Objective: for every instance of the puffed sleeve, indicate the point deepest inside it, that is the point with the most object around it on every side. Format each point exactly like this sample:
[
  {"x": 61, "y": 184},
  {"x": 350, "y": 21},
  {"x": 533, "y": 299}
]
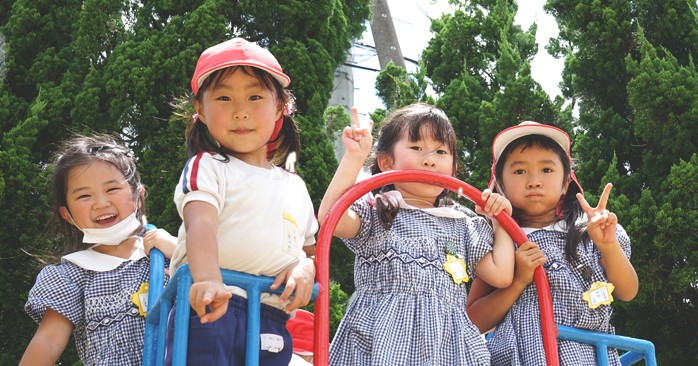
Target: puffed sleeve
[
  {"x": 624, "y": 240},
  {"x": 58, "y": 288},
  {"x": 479, "y": 238},
  {"x": 364, "y": 209}
]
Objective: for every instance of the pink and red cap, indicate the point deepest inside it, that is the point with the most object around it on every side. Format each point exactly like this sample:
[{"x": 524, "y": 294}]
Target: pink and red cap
[
  {"x": 236, "y": 52},
  {"x": 301, "y": 330},
  {"x": 507, "y": 136}
]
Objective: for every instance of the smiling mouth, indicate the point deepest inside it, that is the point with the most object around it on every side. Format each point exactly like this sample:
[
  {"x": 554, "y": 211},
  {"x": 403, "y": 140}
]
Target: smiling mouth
[{"x": 106, "y": 219}]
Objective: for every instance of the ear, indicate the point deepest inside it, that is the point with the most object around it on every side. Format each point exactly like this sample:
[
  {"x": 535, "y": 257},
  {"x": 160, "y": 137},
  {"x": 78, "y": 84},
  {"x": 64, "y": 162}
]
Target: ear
[
  {"x": 279, "y": 112},
  {"x": 65, "y": 214},
  {"x": 385, "y": 162},
  {"x": 141, "y": 196},
  {"x": 566, "y": 185},
  {"x": 199, "y": 111}
]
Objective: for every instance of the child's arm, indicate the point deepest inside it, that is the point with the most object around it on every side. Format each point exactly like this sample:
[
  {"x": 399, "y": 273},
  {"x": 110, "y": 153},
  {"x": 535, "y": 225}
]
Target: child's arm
[
  {"x": 201, "y": 223},
  {"x": 299, "y": 278},
  {"x": 161, "y": 240},
  {"x": 486, "y": 305},
  {"x": 357, "y": 146},
  {"x": 49, "y": 341},
  {"x": 602, "y": 231},
  {"x": 497, "y": 266}
]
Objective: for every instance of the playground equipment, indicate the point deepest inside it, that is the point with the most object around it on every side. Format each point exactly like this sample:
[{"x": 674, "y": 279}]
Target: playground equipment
[{"x": 178, "y": 287}]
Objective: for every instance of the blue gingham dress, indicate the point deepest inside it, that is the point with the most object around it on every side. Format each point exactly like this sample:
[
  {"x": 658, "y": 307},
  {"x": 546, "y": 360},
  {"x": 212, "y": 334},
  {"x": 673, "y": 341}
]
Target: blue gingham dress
[
  {"x": 406, "y": 309},
  {"x": 108, "y": 329},
  {"x": 517, "y": 340}
]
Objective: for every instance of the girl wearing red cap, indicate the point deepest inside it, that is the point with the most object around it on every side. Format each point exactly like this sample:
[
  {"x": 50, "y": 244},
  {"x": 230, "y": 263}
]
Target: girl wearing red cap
[
  {"x": 415, "y": 249},
  {"x": 583, "y": 249},
  {"x": 240, "y": 210}
]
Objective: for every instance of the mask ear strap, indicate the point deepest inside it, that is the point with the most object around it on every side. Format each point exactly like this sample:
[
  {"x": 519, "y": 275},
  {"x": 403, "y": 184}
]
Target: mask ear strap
[{"x": 67, "y": 212}]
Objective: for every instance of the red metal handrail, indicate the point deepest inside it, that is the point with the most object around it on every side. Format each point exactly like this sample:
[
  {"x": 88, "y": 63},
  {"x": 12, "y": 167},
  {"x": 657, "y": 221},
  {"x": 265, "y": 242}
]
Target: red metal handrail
[{"x": 322, "y": 261}]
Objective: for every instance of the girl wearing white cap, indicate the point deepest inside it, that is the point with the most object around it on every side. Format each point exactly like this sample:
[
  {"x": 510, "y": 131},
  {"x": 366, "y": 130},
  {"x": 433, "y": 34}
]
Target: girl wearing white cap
[
  {"x": 583, "y": 249},
  {"x": 415, "y": 250},
  {"x": 240, "y": 210}
]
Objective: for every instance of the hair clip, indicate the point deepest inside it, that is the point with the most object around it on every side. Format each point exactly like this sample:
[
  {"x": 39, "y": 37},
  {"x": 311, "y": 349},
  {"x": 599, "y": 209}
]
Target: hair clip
[{"x": 93, "y": 150}]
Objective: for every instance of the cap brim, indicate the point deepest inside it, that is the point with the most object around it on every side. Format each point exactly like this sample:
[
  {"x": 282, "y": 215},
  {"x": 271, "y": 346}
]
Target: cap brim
[{"x": 504, "y": 138}]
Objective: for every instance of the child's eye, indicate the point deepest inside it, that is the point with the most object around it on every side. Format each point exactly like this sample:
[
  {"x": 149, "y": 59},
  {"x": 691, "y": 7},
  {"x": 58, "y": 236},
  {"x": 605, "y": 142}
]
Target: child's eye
[
  {"x": 223, "y": 98},
  {"x": 442, "y": 152},
  {"x": 114, "y": 189},
  {"x": 416, "y": 148},
  {"x": 82, "y": 196},
  {"x": 519, "y": 171},
  {"x": 547, "y": 170},
  {"x": 256, "y": 97}
]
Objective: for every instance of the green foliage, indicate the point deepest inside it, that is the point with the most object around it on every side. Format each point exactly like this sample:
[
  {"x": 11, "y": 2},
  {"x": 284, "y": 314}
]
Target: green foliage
[
  {"x": 630, "y": 66},
  {"x": 117, "y": 66},
  {"x": 339, "y": 300}
]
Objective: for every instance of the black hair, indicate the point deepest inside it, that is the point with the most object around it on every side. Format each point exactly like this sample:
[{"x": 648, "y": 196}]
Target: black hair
[
  {"x": 83, "y": 150},
  {"x": 409, "y": 121},
  {"x": 288, "y": 140},
  {"x": 573, "y": 215}
]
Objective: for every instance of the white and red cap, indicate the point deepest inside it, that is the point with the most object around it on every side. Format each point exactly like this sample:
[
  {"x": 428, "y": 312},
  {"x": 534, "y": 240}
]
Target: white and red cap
[
  {"x": 507, "y": 136},
  {"x": 236, "y": 52}
]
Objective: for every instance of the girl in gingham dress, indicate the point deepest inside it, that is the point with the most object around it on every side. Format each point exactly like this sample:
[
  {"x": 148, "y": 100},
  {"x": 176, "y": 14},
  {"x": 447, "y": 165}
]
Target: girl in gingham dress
[
  {"x": 99, "y": 197},
  {"x": 581, "y": 248},
  {"x": 407, "y": 309}
]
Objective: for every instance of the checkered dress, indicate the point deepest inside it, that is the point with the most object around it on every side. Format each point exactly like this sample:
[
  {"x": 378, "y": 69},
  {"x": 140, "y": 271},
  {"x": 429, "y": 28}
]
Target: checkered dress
[
  {"x": 407, "y": 310},
  {"x": 517, "y": 340},
  {"x": 108, "y": 329}
]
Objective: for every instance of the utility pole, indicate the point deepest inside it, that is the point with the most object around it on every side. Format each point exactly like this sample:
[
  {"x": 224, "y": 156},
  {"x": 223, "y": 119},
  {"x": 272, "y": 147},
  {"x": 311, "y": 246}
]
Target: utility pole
[{"x": 384, "y": 35}]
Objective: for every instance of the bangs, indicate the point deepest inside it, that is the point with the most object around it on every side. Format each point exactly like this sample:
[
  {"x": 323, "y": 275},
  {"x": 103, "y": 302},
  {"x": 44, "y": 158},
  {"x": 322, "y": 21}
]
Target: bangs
[{"x": 436, "y": 123}]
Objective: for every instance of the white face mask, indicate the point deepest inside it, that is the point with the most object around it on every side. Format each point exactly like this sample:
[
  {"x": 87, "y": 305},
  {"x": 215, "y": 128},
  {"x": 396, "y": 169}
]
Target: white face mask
[{"x": 112, "y": 235}]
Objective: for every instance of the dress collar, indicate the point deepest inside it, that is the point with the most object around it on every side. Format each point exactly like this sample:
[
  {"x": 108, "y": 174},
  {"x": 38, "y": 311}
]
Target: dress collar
[
  {"x": 443, "y": 211},
  {"x": 559, "y": 226},
  {"x": 95, "y": 261}
]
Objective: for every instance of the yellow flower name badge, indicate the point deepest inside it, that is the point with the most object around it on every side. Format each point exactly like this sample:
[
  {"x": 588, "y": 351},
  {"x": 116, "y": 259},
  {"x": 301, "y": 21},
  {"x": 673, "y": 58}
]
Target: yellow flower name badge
[
  {"x": 599, "y": 294},
  {"x": 456, "y": 268},
  {"x": 140, "y": 298}
]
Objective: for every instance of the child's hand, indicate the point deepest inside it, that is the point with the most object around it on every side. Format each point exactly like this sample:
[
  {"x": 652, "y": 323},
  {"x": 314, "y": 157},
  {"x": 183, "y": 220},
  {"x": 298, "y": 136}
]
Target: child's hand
[
  {"x": 357, "y": 139},
  {"x": 299, "y": 278},
  {"x": 494, "y": 204},
  {"x": 209, "y": 293},
  {"x": 528, "y": 256},
  {"x": 161, "y": 240},
  {"x": 601, "y": 222}
]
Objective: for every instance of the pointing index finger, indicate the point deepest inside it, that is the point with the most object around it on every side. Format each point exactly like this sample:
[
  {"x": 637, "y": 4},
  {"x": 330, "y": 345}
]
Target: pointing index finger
[{"x": 355, "y": 118}]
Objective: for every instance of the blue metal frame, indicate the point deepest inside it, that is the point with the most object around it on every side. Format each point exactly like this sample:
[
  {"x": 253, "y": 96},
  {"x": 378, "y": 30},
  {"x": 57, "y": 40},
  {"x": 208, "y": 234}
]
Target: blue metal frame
[
  {"x": 178, "y": 288},
  {"x": 638, "y": 349}
]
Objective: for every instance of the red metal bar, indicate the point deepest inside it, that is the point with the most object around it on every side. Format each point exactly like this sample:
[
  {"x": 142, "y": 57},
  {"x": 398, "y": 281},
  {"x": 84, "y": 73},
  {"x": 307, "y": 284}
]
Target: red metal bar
[{"x": 322, "y": 261}]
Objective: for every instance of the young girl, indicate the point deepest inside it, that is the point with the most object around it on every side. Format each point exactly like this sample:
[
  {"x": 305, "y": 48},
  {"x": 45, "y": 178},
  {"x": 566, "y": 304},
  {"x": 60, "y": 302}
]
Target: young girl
[
  {"x": 584, "y": 251},
  {"x": 414, "y": 251},
  {"x": 99, "y": 196},
  {"x": 240, "y": 210}
]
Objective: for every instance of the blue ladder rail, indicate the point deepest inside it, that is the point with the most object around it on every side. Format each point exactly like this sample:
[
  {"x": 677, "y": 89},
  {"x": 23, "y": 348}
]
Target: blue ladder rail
[
  {"x": 638, "y": 349},
  {"x": 178, "y": 288}
]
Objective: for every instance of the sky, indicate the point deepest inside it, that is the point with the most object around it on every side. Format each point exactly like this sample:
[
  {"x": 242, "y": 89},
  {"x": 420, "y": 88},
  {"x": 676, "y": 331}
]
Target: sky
[{"x": 411, "y": 21}]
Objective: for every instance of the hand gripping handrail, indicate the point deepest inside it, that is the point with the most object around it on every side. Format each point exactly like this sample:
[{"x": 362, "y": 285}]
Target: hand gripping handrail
[{"x": 322, "y": 316}]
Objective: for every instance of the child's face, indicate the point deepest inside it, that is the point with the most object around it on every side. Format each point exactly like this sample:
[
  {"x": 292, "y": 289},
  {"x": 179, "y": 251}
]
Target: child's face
[
  {"x": 425, "y": 154},
  {"x": 533, "y": 180},
  {"x": 98, "y": 196},
  {"x": 240, "y": 114}
]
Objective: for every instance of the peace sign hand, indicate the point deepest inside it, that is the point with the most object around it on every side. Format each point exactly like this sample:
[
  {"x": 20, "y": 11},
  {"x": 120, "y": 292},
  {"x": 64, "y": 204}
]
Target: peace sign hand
[{"x": 601, "y": 222}]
